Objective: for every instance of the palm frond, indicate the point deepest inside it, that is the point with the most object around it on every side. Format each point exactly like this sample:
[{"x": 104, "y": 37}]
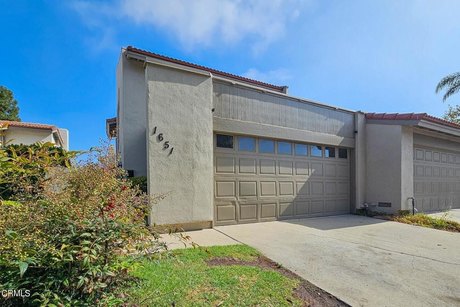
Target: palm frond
[
  {"x": 453, "y": 88},
  {"x": 451, "y": 82}
]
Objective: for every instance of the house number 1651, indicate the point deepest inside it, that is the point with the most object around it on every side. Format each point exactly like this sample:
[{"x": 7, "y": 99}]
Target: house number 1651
[{"x": 160, "y": 138}]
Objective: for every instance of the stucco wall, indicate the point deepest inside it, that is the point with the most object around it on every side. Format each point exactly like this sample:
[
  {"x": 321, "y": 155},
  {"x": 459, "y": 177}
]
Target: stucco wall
[
  {"x": 28, "y": 136},
  {"x": 383, "y": 165},
  {"x": 179, "y": 106},
  {"x": 407, "y": 167},
  {"x": 359, "y": 160},
  {"x": 132, "y": 116}
]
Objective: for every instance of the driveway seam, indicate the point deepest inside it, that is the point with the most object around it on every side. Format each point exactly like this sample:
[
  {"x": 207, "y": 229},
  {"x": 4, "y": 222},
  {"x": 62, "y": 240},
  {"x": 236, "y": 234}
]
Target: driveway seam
[{"x": 230, "y": 237}]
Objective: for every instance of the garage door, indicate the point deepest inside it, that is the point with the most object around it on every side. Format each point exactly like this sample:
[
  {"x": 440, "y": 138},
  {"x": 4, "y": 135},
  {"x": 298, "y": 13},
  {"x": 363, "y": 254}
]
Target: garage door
[
  {"x": 436, "y": 179},
  {"x": 257, "y": 179}
]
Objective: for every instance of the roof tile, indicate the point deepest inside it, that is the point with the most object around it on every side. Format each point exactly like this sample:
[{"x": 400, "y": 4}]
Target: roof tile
[
  {"x": 411, "y": 116},
  {"x": 27, "y": 125},
  {"x": 211, "y": 70}
]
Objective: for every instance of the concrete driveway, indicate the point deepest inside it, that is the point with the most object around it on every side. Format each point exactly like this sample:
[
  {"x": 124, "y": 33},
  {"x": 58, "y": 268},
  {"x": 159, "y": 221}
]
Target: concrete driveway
[
  {"x": 363, "y": 261},
  {"x": 453, "y": 214}
]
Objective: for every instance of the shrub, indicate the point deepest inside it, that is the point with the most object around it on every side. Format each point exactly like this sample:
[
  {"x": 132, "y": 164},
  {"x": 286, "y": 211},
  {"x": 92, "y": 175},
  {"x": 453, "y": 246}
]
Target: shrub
[
  {"x": 23, "y": 168},
  {"x": 66, "y": 245},
  {"x": 140, "y": 181},
  {"x": 424, "y": 220}
]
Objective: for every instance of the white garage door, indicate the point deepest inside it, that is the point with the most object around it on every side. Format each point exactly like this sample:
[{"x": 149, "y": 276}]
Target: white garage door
[
  {"x": 259, "y": 179},
  {"x": 436, "y": 179}
]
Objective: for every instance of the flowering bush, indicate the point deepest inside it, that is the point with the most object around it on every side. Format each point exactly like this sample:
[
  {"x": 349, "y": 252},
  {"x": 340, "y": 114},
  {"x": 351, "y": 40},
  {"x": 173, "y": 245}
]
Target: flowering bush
[{"x": 65, "y": 246}]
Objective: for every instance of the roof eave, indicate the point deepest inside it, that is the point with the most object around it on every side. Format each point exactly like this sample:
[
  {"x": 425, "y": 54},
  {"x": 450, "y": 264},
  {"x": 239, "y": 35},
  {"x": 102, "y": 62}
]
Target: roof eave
[
  {"x": 148, "y": 57},
  {"x": 401, "y": 122},
  {"x": 439, "y": 127}
]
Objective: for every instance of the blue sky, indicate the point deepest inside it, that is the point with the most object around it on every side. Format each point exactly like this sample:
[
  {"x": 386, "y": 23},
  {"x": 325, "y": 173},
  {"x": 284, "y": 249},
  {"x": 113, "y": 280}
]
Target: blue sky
[{"x": 59, "y": 57}]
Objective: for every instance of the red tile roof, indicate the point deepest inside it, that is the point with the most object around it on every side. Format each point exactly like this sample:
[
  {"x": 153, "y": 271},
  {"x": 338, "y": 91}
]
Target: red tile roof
[
  {"x": 26, "y": 125},
  {"x": 211, "y": 70},
  {"x": 411, "y": 116}
]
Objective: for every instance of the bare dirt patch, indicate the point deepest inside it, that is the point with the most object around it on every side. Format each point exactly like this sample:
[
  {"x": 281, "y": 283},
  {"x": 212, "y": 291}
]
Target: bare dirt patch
[{"x": 310, "y": 294}]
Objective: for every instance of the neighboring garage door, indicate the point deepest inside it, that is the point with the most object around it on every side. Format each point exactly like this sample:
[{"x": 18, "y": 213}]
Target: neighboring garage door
[
  {"x": 436, "y": 179},
  {"x": 257, "y": 179}
]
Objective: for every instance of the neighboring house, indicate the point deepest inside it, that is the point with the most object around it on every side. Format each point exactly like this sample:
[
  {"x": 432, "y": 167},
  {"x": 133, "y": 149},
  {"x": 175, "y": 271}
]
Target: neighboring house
[
  {"x": 12, "y": 132},
  {"x": 229, "y": 150}
]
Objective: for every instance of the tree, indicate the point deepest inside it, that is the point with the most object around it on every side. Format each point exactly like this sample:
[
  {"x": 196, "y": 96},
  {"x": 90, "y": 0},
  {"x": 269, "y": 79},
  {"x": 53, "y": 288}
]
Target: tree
[
  {"x": 451, "y": 84},
  {"x": 9, "y": 109}
]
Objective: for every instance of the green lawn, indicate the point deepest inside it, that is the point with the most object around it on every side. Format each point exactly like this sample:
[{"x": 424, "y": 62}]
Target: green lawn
[{"x": 186, "y": 279}]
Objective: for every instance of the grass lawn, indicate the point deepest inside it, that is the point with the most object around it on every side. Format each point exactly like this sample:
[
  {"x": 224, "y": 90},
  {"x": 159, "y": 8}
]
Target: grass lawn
[
  {"x": 185, "y": 278},
  {"x": 233, "y": 275},
  {"x": 424, "y": 220}
]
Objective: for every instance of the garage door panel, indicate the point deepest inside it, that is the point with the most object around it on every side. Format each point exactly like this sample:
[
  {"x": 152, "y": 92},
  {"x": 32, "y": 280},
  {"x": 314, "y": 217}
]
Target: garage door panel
[
  {"x": 247, "y": 166},
  {"x": 267, "y": 188},
  {"x": 342, "y": 205},
  {"x": 428, "y": 171},
  {"x": 302, "y": 188},
  {"x": 226, "y": 213},
  {"x": 317, "y": 206},
  {"x": 286, "y": 188},
  {"x": 255, "y": 187},
  {"x": 317, "y": 188},
  {"x": 343, "y": 171},
  {"x": 302, "y": 208},
  {"x": 225, "y": 188},
  {"x": 428, "y": 155},
  {"x": 268, "y": 211},
  {"x": 343, "y": 188},
  {"x": 329, "y": 205},
  {"x": 330, "y": 188},
  {"x": 248, "y": 189},
  {"x": 330, "y": 170},
  {"x": 301, "y": 168},
  {"x": 316, "y": 169},
  {"x": 267, "y": 166},
  {"x": 436, "y": 179},
  {"x": 248, "y": 212},
  {"x": 286, "y": 209},
  {"x": 419, "y": 154},
  {"x": 285, "y": 167},
  {"x": 225, "y": 165}
]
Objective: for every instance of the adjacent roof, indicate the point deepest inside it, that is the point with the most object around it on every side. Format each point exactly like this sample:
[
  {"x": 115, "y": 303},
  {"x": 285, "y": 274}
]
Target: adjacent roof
[
  {"x": 10, "y": 123},
  {"x": 411, "y": 116},
  {"x": 281, "y": 89},
  {"x": 111, "y": 127}
]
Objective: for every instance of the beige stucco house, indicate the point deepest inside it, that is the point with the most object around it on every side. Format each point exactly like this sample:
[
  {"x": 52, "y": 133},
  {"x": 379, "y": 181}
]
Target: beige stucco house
[
  {"x": 12, "y": 132},
  {"x": 229, "y": 150}
]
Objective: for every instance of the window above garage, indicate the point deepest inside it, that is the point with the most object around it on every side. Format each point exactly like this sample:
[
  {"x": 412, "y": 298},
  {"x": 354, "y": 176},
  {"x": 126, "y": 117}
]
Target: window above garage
[
  {"x": 343, "y": 153},
  {"x": 329, "y": 152},
  {"x": 266, "y": 146},
  {"x": 246, "y": 143},
  {"x": 224, "y": 141},
  {"x": 284, "y": 148},
  {"x": 316, "y": 151}
]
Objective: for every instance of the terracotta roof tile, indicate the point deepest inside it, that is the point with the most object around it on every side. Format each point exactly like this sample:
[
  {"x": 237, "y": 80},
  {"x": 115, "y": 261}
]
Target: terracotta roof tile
[
  {"x": 27, "y": 125},
  {"x": 211, "y": 70},
  {"x": 411, "y": 116}
]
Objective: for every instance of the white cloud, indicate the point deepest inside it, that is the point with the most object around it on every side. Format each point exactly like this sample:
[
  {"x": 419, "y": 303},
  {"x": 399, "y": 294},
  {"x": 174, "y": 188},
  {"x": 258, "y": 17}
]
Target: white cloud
[
  {"x": 201, "y": 23},
  {"x": 272, "y": 76}
]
